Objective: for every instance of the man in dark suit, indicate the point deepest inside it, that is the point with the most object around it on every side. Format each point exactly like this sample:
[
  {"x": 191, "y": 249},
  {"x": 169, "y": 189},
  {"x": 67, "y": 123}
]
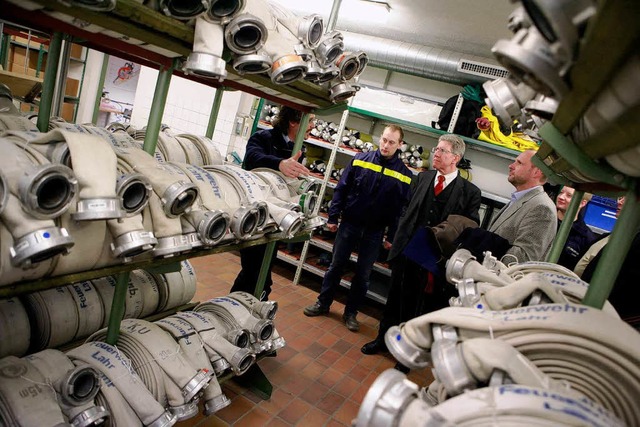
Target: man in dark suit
[
  {"x": 435, "y": 194},
  {"x": 271, "y": 149}
]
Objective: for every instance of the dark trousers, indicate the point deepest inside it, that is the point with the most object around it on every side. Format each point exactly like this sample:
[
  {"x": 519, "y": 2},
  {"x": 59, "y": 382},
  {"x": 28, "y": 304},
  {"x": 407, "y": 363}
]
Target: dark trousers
[
  {"x": 349, "y": 238},
  {"x": 251, "y": 261},
  {"x": 410, "y": 294}
]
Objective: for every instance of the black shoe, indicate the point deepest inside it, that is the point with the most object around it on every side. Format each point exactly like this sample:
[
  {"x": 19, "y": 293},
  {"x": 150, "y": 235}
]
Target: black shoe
[
  {"x": 315, "y": 310},
  {"x": 374, "y": 347},
  {"x": 400, "y": 367},
  {"x": 350, "y": 320}
]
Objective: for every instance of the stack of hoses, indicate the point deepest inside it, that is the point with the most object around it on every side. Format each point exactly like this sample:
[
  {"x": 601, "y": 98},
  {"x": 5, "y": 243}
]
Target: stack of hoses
[
  {"x": 227, "y": 347},
  {"x": 300, "y": 192},
  {"x": 122, "y": 391},
  {"x": 394, "y": 400},
  {"x": 569, "y": 343},
  {"x": 209, "y": 153},
  {"x": 236, "y": 316},
  {"x": 163, "y": 368},
  {"x": 76, "y": 387},
  {"x": 261, "y": 310},
  {"x": 175, "y": 288}
]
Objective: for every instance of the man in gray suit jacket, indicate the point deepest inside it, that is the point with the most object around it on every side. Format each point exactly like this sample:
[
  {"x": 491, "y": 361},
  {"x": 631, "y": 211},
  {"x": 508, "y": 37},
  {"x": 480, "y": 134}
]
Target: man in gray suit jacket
[
  {"x": 528, "y": 221},
  {"x": 430, "y": 204}
]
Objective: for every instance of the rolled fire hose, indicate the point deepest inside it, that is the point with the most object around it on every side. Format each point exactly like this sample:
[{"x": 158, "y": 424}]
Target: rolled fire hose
[
  {"x": 190, "y": 343},
  {"x": 462, "y": 265},
  {"x": 89, "y": 306},
  {"x": 54, "y": 318},
  {"x": 208, "y": 150},
  {"x": 118, "y": 369},
  {"x": 394, "y": 400},
  {"x": 236, "y": 315},
  {"x": 192, "y": 153},
  {"x": 171, "y": 289},
  {"x": 239, "y": 192},
  {"x": 215, "y": 337},
  {"x": 18, "y": 123},
  {"x": 184, "y": 10},
  {"x": 157, "y": 359},
  {"x": 254, "y": 188},
  {"x": 172, "y": 187},
  {"x": 15, "y": 330},
  {"x": 568, "y": 342},
  {"x": 299, "y": 191},
  {"x": 167, "y": 230},
  {"x": 206, "y": 56},
  {"x": 117, "y": 137},
  {"x": 477, "y": 362},
  {"x": 171, "y": 148},
  {"x": 210, "y": 222},
  {"x": 308, "y": 29},
  {"x": 96, "y": 179},
  {"x": 34, "y": 240},
  {"x": 243, "y": 220},
  {"x": 75, "y": 387},
  {"x": 134, "y": 304},
  {"x": 25, "y": 397},
  {"x": 4, "y": 192},
  {"x": 257, "y": 308},
  {"x": 45, "y": 190}
]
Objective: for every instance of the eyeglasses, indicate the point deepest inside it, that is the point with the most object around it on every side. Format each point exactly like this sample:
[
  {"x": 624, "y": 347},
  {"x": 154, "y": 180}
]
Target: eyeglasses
[{"x": 441, "y": 150}]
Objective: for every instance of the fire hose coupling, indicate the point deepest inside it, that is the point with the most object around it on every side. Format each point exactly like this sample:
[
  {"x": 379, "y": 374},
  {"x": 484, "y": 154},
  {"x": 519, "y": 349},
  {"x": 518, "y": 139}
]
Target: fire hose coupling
[
  {"x": 387, "y": 397},
  {"x": 98, "y": 208},
  {"x": 134, "y": 190},
  {"x": 288, "y": 68},
  {"x": 263, "y": 213},
  {"x": 245, "y": 34},
  {"x": 259, "y": 309},
  {"x": 506, "y": 98},
  {"x": 244, "y": 221},
  {"x": 331, "y": 45},
  {"x": 93, "y": 416},
  {"x": 178, "y": 198},
  {"x": 184, "y": 10},
  {"x": 349, "y": 64},
  {"x": 544, "y": 107},
  {"x": 206, "y": 57},
  {"x": 308, "y": 202},
  {"x": 456, "y": 265},
  {"x": 167, "y": 419},
  {"x": 171, "y": 245},
  {"x": 211, "y": 226},
  {"x": 363, "y": 61},
  {"x": 184, "y": 412},
  {"x": 531, "y": 59},
  {"x": 342, "y": 90},
  {"x": 221, "y": 12},
  {"x": 40, "y": 245},
  {"x": 47, "y": 191},
  {"x": 133, "y": 243},
  {"x": 253, "y": 63},
  {"x": 405, "y": 351},
  {"x": 450, "y": 368},
  {"x": 215, "y": 404},
  {"x": 195, "y": 384}
]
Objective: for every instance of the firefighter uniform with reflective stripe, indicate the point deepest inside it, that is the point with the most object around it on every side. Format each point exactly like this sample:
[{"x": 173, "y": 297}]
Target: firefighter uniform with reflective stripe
[
  {"x": 372, "y": 191},
  {"x": 369, "y": 197}
]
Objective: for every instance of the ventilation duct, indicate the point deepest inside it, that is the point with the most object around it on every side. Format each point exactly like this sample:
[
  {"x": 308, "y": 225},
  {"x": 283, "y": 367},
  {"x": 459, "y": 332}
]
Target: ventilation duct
[{"x": 423, "y": 61}]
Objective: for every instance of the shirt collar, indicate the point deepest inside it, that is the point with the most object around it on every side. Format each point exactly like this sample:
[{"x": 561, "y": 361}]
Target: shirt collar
[
  {"x": 520, "y": 194},
  {"x": 448, "y": 178}
]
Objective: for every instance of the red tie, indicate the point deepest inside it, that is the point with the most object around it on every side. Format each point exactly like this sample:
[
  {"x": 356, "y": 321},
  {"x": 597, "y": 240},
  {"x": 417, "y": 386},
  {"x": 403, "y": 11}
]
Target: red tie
[{"x": 439, "y": 186}]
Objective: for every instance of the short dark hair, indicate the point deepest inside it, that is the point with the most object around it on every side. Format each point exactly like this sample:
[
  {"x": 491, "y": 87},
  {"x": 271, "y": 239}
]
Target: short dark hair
[
  {"x": 396, "y": 128},
  {"x": 284, "y": 117}
]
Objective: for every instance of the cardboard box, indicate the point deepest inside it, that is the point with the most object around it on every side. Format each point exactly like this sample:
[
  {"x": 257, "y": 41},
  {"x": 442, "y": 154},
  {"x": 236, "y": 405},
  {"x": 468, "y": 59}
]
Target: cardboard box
[
  {"x": 71, "y": 87},
  {"x": 18, "y": 56},
  {"x": 77, "y": 51},
  {"x": 68, "y": 111},
  {"x": 25, "y": 41}
]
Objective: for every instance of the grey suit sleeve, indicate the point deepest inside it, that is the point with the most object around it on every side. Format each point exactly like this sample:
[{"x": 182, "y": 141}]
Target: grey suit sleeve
[{"x": 534, "y": 236}]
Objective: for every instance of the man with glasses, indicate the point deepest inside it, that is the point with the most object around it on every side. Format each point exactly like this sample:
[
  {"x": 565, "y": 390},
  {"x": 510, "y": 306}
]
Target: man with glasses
[
  {"x": 368, "y": 198},
  {"x": 435, "y": 194}
]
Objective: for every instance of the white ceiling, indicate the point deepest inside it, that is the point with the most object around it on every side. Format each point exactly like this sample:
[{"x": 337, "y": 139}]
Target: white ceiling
[{"x": 465, "y": 26}]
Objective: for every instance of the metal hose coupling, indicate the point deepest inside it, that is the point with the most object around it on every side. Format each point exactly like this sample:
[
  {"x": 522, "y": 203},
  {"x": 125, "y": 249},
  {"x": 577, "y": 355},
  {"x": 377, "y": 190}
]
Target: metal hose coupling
[
  {"x": 259, "y": 309},
  {"x": 331, "y": 45},
  {"x": 405, "y": 351},
  {"x": 349, "y": 64},
  {"x": 506, "y": 98},
  {"x": 252, "y": 63},
  {"x": 206, "y": 57},
  {"x": 341, "y": 90},
  {"x": 178, "y": 198},
  {"x": 289, "y": 222},
  {"x": 244, "y": 221},
  {"x": 130, "y": 239},
  {"x": 221, "y": 12},
  {"x": 134, "y": 190},
  {"x": 246, "y": 34},
  {"x": 211, "y": 226},
  {"x": 184, "y": 10}
]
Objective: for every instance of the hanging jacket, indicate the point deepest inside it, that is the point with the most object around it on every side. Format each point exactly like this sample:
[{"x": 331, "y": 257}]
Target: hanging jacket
[{"x": 372, "y": 192}]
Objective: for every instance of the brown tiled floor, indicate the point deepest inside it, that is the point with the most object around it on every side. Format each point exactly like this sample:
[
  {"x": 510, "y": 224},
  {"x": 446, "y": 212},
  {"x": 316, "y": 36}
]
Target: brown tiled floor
[{"x": 320, "y": 377}]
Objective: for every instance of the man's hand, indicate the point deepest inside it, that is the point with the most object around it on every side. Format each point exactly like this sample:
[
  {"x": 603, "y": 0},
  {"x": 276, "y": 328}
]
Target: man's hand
[
  {"x": 291, "y": 168},
  {"x": 332, "y": 227},
  {"x": 386, "y": 245}
]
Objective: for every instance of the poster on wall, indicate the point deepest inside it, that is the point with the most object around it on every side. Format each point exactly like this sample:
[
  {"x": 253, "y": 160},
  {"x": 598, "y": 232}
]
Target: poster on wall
[{"x": 119, "y": 91}]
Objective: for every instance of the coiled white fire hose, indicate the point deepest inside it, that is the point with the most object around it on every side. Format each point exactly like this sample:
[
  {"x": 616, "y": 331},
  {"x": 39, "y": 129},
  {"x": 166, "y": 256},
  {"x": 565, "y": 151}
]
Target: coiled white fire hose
[
  {"x": 117, "y": 368},
  {"x": 236, "y": 315},
  {"x": 257, "y": 308},
  {"x": 308, "y": 29},
  {"x": 238, "y": 192},
  {"x": 157, "y": 358},
  {"x": 206, "y": 56},
  {"x": 15, "y": 330},
  {"x": 89, "y": 306},
  {"x": 206, "y": 216},
  {"x": 243, "y": 220},
  {"x": 54, "y": 318},
  {"x": 75, "y": 386},
  {"x": 173, "y": 290},
  {"x": 4, "y": 192},
  {"x": 45, "y": 190},
  {"x": 194, "y": 351},
  {"x": 571, "y": 343},
  {"x": 394, "y": 400},
  {"x": 25, "y": 397},
  {"x": 192, "y": 153},
  {"x": 289, "y": 190},
  {"x": 170, "y": 147},
  {"x": 221, "y": 341},
  {"x": 19, "y": 123},
  {"x": 208, "y": 151}
]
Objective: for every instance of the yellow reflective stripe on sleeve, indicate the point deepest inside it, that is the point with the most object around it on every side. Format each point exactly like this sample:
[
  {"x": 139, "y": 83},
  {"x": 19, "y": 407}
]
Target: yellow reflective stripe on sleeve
[
  {"x": 397, "y": 175},
  {"x": 367, "y": 165}
]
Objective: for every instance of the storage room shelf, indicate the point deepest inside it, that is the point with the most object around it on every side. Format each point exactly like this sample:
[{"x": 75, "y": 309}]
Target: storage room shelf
[
  {"x": 161, "y": 41},
  {"x": 328, "y": 246}
]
